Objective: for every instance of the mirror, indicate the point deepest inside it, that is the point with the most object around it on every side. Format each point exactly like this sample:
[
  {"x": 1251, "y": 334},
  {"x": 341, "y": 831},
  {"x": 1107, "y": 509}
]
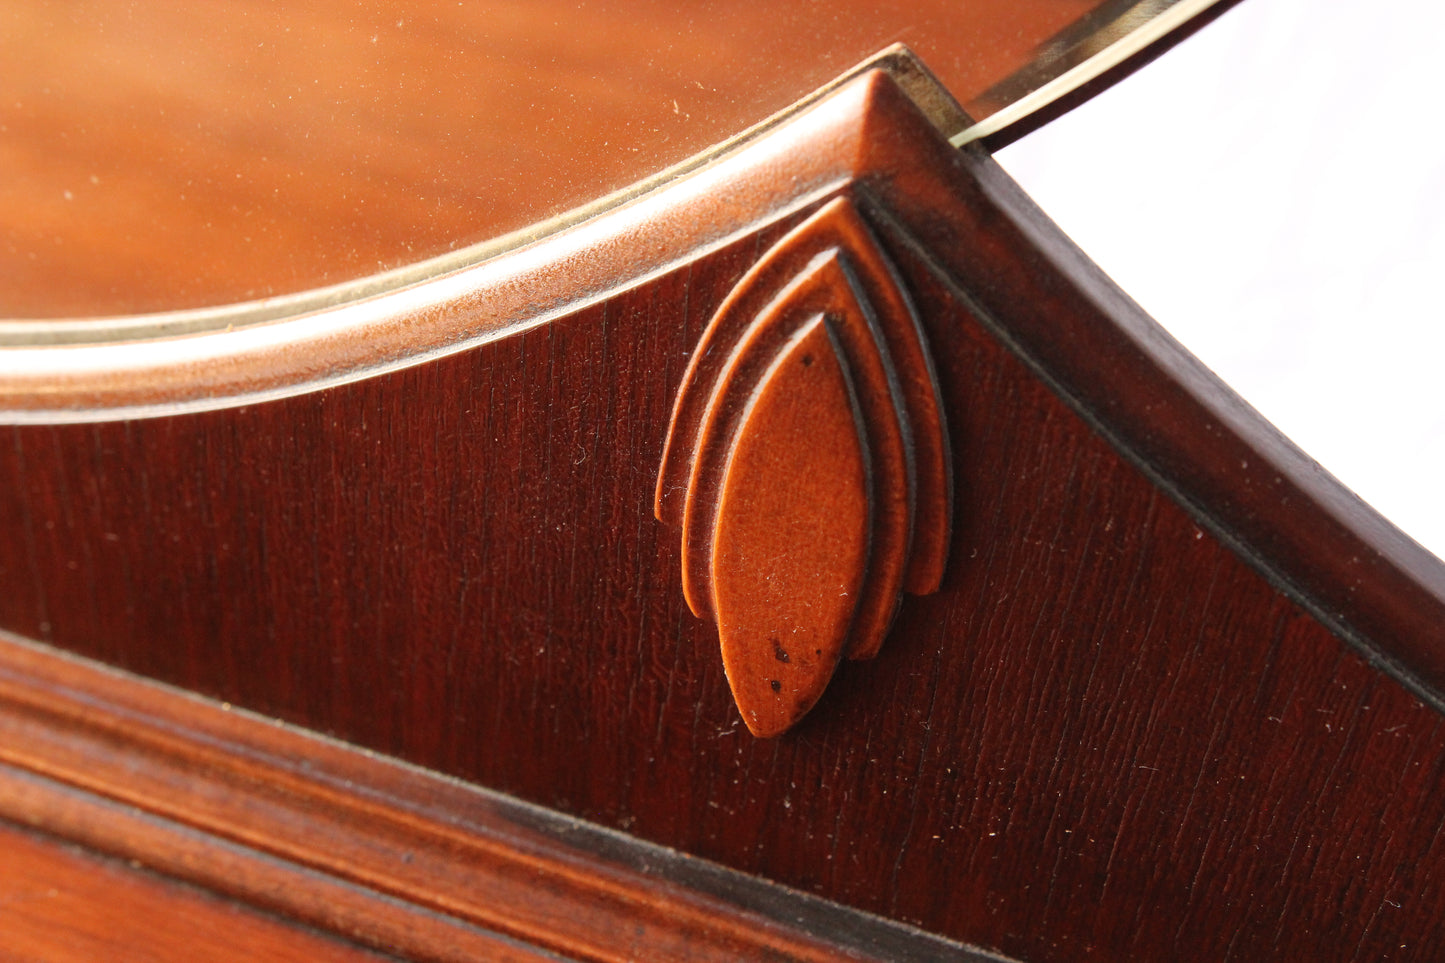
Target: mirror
[{"x": 181, "y": 155}]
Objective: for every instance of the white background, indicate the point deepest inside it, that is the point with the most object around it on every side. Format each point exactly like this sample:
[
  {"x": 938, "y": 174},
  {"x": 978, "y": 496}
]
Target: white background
[{"x": 1272, "y": 191}]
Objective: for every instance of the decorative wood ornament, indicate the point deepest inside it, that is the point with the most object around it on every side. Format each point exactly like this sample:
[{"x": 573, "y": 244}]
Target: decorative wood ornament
[{"x": 807, "y": 465}]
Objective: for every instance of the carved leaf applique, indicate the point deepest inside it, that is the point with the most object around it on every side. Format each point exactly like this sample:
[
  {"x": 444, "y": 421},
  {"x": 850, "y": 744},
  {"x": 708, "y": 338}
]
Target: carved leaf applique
[{"x": 807, "y": 465}]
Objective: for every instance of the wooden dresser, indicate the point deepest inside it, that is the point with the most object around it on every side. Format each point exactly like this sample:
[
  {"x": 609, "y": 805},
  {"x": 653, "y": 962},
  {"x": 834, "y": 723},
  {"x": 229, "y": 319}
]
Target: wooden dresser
[{"x": 368, "y": 629}]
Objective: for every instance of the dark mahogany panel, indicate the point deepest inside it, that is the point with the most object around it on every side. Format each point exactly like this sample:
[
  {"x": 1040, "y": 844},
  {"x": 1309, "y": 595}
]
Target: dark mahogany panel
[
  {"x": 383, "y": 854},
  {"x": 1106, "y": 736}
]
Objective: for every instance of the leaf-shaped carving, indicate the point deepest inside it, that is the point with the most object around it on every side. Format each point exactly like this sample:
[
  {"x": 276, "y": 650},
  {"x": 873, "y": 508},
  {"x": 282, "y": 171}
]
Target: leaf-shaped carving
[
  {"x": 788, "y": 561},
  {"x": 825, "y": 287},
  {"x": 825, "y": 284}
]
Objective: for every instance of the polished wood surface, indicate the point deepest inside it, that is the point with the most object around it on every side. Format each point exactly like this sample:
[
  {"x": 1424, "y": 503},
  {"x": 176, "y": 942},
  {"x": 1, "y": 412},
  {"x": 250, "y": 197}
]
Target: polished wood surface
[
  {"x": 800, "y": 543},
  {"x": 1175, "y": 697},
  {"x": 333, "y": 837},
  {"x": 62, "y": 904},
  {"x": 790, "y": 544},
  {"x": 183, "y": 154}
]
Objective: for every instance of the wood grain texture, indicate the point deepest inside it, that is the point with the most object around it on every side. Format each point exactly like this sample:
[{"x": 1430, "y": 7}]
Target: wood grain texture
[
  {"x": 1146, "y": 716},
  {"x": 387, "y": 855},
  {"x": 62, "y": 904}
]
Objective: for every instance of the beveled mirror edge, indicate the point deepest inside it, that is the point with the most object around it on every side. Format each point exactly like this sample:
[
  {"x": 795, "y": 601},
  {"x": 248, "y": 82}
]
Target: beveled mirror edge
[{"x": 1124, "y": 36}]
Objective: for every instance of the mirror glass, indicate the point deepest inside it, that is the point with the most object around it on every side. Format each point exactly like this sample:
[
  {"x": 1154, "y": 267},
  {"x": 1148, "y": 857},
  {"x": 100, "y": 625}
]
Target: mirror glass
[
  {"x": 1270, "y": 190},
  {"x": 180, "y": 154}
]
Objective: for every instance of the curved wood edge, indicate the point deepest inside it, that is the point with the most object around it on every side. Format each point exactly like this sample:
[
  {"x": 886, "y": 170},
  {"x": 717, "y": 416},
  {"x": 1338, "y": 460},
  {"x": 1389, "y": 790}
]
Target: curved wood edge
[
  {"x": 382, "y": 853},
  {"x": 337, "y": 335},
  {"x": 1155, "y": 402}
]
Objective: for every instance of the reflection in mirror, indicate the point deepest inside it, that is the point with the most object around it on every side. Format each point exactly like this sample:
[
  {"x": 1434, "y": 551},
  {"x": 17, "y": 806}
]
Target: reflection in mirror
[
  {"x": 1280, "y": 215},
  {"x": 173, "y": 155}
]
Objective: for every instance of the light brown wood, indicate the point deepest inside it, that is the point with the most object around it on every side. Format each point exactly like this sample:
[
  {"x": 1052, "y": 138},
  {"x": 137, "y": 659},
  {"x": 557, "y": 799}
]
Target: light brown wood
[
  {"x": 808, "y": 558},
  {"x": 63, "y": 904},
  {"x": 327, "y": 343},
  {"x": 790, "y": 544}
]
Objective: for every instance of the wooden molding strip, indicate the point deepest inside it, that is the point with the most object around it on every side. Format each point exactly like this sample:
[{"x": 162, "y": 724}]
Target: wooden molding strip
[
  {"x": 382, "y": 853},
  {"x": 60, "y": 903}
]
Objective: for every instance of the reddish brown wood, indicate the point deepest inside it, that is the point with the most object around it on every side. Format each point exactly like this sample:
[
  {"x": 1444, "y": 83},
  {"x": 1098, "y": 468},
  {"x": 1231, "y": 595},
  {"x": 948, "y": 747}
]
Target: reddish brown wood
[
  {"x": 388, "y": 855},
  {"x": 868, "y": 294},
  {"x": 830, "y": 541},
  {"x": 884, "y": 431},
  {"x": 61, "y": 904},
  {"x": 789, "y": 552},
  {"x": 813, "y": 270},
  {"x": 1145, "y": 716}
]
